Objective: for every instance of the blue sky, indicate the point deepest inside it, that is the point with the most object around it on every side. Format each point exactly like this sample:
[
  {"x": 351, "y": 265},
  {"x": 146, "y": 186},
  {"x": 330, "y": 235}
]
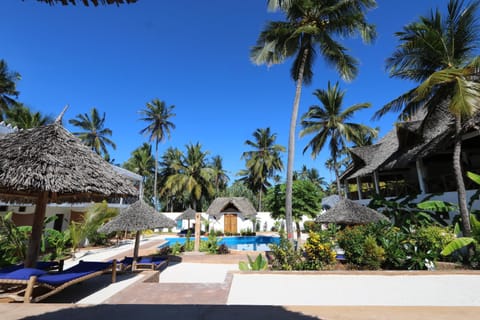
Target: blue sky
[{"x": 191, "y": 54}]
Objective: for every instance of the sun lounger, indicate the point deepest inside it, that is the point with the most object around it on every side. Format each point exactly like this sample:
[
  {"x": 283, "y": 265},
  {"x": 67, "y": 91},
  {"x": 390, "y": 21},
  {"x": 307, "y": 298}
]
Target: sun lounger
[
  {"x": 143, "y": 263},
  {"x": 42, "y": 265},
  {"x": 34, "y": 285}
]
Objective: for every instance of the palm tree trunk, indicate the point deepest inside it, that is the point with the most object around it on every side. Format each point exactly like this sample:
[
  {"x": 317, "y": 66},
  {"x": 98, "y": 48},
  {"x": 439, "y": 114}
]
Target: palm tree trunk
[
  {"x": 457, "y": 167},
  {"x": 260, "y": 201},
  {"x": 291, "y": 149},
  {"x": 337, "y": 177},
  {"x": 155, "y": 200}
]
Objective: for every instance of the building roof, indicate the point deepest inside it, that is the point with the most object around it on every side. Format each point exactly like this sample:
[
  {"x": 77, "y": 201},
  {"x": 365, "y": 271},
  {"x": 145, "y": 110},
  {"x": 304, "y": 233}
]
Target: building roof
[
  {"x": 349, "y": 212},
  {"x": 239, "y": 205}
]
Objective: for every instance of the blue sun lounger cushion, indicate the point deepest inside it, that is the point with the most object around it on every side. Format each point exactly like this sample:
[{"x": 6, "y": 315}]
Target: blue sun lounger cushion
[
  {"x": 82, "y": 269},
  {"x": 22, "y": 274}
]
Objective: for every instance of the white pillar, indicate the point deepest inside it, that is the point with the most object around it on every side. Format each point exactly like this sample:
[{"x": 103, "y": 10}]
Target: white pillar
[
  {"x": 421, "y": 183},
  {"x": 375, "y": 182},
  {"x": 359, "y": 188}
]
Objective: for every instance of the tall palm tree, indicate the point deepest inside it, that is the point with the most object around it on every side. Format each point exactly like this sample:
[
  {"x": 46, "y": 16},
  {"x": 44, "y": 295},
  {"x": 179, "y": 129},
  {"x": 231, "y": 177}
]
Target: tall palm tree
[
  {"x": 440, "y": 53},
  {"x": 220, "y": 177},
  {"x": 157, "y": 115},
  {"x": 262, "y": 162},
  {"x": 310, "y": 28},
  {"x": 95, "y": 135},
  {"x": 312, "y": 175},
  {"x": 8, "y": 87},
  {"x": 141, "y": 162},
  {"x": 193, "y": 176},
  {"x": 22, "y": 117},
  {"x": 329, "y": 123}
]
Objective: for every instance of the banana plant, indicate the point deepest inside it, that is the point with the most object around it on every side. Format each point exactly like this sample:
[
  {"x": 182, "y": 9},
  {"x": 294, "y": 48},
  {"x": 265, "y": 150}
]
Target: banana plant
[
  {"x": 260, "y": 263},
  {"x": 462, "y": 242}
]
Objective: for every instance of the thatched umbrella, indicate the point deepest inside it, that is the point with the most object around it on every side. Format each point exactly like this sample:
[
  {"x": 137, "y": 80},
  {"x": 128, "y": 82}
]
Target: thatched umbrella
[
  {"x": 348, "y": 212},
  {"x": 137, "y": 217},
  {"x": 48, "y": 164},
  {"x": 188, "y": 214}
]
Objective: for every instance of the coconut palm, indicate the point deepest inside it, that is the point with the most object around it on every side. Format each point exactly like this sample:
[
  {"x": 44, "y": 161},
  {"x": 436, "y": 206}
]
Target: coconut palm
[
  {"x": 8, "y": 87},
  {"x": 439, "y": 52},
  {"x": 262, "y": 162},
  {"x": 330, "y": 124},
  {"x": 168, "y": 166},
  {"x": 157, "y": 115},
  {"x": 22, "y": 117},
  {"x": 141, "y": 162},
  {"x": 310, "y": 29},
  {"x": 220, "y": 177},
  {"x": 312, "y": 175},
  {"x": 95, "y": 135},
  {"x": 193, "y": 176}
]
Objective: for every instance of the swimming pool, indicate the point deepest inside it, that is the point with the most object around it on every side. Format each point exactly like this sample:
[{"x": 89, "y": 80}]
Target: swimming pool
[{"x": 250, "y": 243}]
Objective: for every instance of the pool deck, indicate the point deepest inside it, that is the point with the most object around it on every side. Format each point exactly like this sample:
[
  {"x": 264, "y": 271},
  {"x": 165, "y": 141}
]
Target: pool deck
[{"x": 198, "y": 286}]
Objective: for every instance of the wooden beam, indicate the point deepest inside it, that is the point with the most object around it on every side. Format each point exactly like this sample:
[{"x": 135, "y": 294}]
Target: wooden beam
[{"x": 37, "y": 230}]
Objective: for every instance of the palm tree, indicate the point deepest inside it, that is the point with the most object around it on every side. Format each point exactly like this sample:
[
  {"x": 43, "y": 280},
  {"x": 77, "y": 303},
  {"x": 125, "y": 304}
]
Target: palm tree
[
  {"x": 193, "y": 176},
  {"x": 329, "y": 122},
  {"x": 310, "y": 27},
  {"x": 169, "y": 164},
  {"x": 262, "y": 162},
  {"x": 312, "y": 175},
  {"x": 157, "y": 115},
  {"x": 95, "y": 135},
  {"x": 439, "y": 52},
  {"x": 22, "y": 117},
  {"x": 8, "y": 87},
  {"x": 141, "y": 162},
  {"x": 220, "y": 177}
]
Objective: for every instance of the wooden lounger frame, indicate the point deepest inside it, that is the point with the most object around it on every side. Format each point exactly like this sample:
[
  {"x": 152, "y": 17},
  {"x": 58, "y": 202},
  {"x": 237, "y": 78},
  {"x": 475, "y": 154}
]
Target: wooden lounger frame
[
  {"x": 25, "y": 288},
  {"x": 149, "y": 265}
]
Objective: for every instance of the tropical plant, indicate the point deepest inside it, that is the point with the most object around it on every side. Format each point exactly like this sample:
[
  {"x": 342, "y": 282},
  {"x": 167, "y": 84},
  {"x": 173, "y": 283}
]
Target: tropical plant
[
  {"x": 259, "y": 264},
  {"x": 158, "y": 116},
  {"x": 330, "y": 124},
  {"x": 262, "y": 162},
  {"x": 312, "y": 175},
  {"x": 439, "y": 52},
  {"x": 13, "y": 240},
  {"x": 285, "y": 255},
  {"x": 22, "y": 117},
  {"x": 211, "y": 244},
  {"x": 142, "y": 162},
  {"x": 8, "y": 87},
  {"x": 310, "y": 27},
  {"x": 192, "y": 176},
  {"x": 319, "y": 252},
  {"x": 95, "y": 135},
  {"x": 307, "y": 200},
  {"x": 220, "y": 177},
  {"x": 168, "y": 165},
  {"x": 239, "y": 189}
]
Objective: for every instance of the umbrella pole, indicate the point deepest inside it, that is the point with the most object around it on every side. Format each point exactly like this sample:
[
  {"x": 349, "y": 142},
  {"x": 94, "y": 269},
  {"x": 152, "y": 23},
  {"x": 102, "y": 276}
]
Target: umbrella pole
[
  {"x": 137, "y": 245},
  {"x": 37, "y": 229}
]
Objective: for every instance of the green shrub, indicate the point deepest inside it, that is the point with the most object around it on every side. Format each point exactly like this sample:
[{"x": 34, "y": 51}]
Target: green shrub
[
  {"x": 260, "y": 263},
  {"x": 312, "y": 226},
  {"x": 318, "y": 253},
  {"x": 373, "y": 254},
  {"x": 285, "y": 255}
]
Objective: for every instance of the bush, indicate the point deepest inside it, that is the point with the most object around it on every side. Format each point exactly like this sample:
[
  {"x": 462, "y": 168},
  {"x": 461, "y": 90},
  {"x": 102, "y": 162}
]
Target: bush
[
  {"x": 318, "y": 253},
  {"x": 285, "y": 255},
  {"x": 312, "y": 226},
  {"x": 361, "y": 248}
]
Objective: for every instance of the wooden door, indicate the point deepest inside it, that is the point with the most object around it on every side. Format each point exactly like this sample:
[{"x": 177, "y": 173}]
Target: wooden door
[{"x": 230, "y": 223}]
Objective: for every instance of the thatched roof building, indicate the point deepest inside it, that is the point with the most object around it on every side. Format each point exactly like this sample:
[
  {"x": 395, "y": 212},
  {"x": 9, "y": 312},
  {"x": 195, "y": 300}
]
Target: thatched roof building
[
  {"x": 240, "y": 205},
  {"x": 188, "y": 214},
  {"x": 348, "y": 212}
]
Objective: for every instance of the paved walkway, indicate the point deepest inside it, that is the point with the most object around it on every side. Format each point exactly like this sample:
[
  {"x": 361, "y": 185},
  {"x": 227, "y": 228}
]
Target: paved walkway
[{"x": 211, "y": 287}]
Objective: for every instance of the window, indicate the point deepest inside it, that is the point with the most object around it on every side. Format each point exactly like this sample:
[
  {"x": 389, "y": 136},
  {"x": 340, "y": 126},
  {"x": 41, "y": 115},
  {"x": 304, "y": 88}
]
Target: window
[
  {"x": 22, "y": 209},
  {"x": 3, "y": 208}
]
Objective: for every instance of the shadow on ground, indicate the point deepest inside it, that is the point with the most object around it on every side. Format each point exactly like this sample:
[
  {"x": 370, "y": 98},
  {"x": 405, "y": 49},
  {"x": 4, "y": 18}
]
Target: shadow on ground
[{"x": 177, "y": 312}]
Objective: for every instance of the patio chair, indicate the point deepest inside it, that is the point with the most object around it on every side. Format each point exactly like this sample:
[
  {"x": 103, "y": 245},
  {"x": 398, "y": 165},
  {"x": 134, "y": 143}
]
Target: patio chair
[
  {"x": 33, "y": 285},
  {"x": 151, "y": 263}
]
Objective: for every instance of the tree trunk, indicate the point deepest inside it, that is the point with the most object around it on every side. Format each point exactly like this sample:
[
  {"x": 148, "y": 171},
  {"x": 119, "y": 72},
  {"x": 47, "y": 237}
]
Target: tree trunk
[
  {"x": 299, "y": 235},
  {"x": 457, "y": 167},
  {"x": 136, "y": 246},
  {"x": 260, "y": 200},
  {"x": 155, "y": 201},
  {"x": 37, "y": 229},
  {"x": 337, "y": 178},
  {"x": 291, "y": 149}
]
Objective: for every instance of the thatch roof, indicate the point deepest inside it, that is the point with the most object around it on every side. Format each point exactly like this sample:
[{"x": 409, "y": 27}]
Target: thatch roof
[
  {"x": 350, "y": 213},
  {"x": 137, "y": 217},
  {"x": 188, "y": 214},
  {"x": 239, "y": 205},
  {"x": 49, "y": 158}
]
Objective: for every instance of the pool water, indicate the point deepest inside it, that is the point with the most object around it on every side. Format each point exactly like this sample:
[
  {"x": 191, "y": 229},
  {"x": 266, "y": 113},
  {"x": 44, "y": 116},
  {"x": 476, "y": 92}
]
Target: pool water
[{"x": 250, "y": 243}]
